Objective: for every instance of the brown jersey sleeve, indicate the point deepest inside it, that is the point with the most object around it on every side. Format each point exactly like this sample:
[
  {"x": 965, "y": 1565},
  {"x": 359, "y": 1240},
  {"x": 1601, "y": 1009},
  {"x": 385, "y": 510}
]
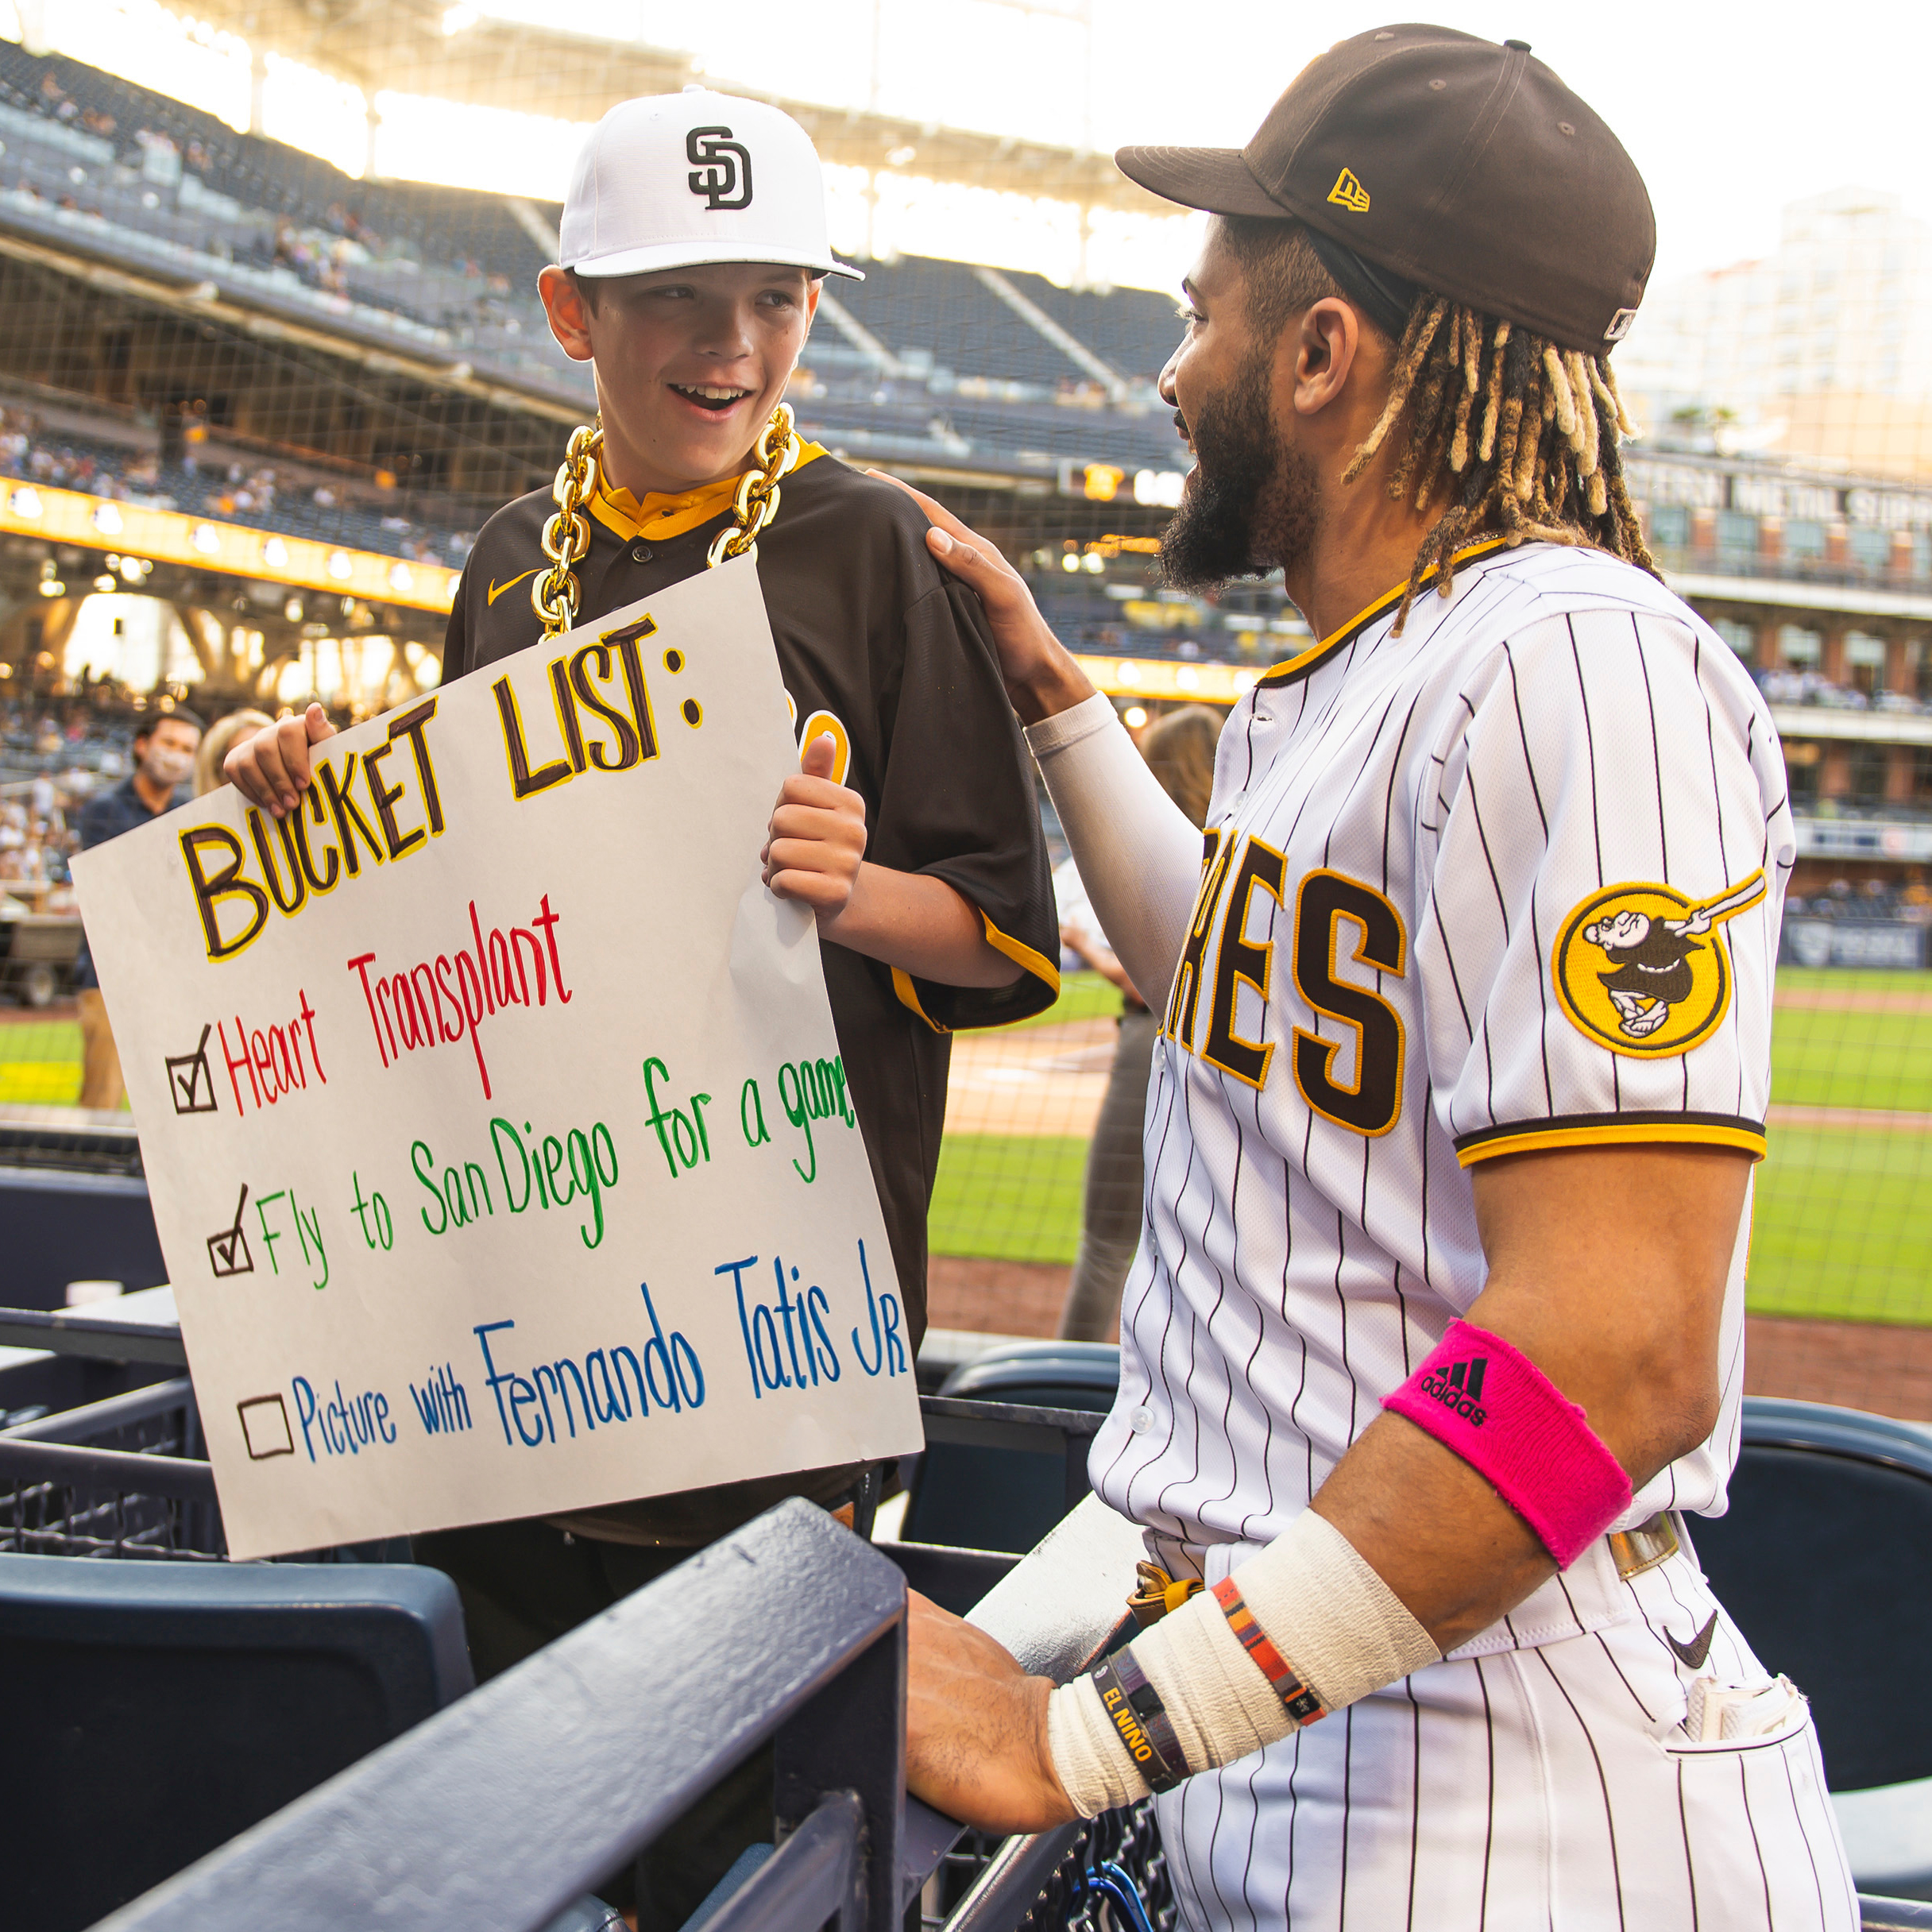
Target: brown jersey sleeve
[
  {"x": 456, "y": 637},
  {"x": 958, "y": 802}
]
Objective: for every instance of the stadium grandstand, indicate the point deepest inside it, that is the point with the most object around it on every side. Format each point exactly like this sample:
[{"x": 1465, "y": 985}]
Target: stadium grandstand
[{"x": 254, "y": 410}]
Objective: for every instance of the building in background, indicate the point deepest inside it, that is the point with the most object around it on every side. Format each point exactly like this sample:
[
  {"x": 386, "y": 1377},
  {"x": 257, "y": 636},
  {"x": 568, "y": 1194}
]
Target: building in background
[{"x": 1821, "y": 352}]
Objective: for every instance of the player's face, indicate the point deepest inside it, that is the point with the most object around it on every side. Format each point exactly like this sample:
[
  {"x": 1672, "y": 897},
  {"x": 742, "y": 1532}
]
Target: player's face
[
  {"x": 690, "y": 363},
  {"x": 1250, "y": 503}
]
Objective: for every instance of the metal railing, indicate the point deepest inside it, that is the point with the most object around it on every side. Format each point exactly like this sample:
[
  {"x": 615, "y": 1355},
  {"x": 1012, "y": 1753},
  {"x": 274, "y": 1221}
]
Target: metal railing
[
  {"x": 788, "y": 1635},
  {"x": 500, "y": 1810}
]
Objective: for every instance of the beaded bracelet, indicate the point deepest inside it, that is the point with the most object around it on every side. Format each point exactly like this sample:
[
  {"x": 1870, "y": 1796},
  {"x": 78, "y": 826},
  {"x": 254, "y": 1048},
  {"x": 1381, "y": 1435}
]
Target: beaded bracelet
[
  {"x": 1302, "y": 1704},
  {"x": 1134, "y": 1709}
]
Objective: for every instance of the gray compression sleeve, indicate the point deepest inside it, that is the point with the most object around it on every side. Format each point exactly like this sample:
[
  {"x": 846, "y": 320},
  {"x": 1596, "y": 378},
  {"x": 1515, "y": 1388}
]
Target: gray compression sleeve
[{"x": 1139, "y": 858}]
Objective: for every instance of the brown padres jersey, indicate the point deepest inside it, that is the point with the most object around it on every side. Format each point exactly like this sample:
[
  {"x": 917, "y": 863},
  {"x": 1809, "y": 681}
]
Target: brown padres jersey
[{"x": 876, "y": 645}]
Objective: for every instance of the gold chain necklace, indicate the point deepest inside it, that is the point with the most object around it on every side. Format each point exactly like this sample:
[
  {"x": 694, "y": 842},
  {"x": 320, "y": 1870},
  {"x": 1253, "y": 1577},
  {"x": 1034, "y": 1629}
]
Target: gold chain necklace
[{"x": 554, "y": 594}]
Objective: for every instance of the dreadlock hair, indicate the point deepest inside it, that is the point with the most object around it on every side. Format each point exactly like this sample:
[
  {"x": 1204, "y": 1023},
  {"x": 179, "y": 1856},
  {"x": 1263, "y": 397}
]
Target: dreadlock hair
[{"x": 1514, "y": 436}]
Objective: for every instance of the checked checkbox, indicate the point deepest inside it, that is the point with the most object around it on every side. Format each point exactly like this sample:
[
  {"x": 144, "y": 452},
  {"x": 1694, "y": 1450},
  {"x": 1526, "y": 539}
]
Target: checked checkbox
[
  {"x": 191, "y": 1082},
  {"x": 228, "y": 1250}
]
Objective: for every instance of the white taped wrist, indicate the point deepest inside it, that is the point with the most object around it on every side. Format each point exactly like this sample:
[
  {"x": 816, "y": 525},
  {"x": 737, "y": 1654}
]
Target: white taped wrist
[
  {"x": 1138, "y": 857},
  {"x": 1341, "y": 1628},
  {"x": 1091, "y": 1762}
]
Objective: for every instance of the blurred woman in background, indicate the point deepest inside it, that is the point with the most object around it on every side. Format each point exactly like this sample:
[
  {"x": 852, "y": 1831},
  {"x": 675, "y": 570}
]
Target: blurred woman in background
[
  {"x": 1180, "y": 750},
  {"x": 219, "y": 740}
]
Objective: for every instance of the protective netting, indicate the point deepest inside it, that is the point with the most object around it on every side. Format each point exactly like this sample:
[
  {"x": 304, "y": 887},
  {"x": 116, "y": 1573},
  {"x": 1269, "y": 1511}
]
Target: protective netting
[{"x": 254, "y": 409}]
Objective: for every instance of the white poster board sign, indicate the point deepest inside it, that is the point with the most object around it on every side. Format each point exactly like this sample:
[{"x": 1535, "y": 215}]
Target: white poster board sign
[{"x": 494, "y": 1124}]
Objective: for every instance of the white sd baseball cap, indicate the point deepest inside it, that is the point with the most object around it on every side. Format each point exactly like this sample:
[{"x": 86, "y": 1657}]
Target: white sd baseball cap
[{"x": 677, "y": 180}]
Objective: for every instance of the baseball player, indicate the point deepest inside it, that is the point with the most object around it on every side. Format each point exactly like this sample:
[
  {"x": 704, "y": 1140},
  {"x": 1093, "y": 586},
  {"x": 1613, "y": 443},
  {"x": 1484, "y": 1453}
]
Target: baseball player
[
  {"x": 1434, "y": 1337},
  {"x": 693, "y": 243}
]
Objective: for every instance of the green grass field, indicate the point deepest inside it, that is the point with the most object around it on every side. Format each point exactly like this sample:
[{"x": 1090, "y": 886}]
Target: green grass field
[
  {"x": 1082, "y": 996},
  {"x": 39, "y": 1063},
  {"x": 1842, "y": 1226},
  {"x": 1843, "y": 1222},
  {"x": 1821, "y": 1058},
  {"x": 1008, "y": 1197}
]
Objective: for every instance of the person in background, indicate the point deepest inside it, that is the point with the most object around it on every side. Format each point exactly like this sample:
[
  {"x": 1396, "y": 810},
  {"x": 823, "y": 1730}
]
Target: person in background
[
  {"x": 165, "y": 744},
  {"x": 223, "y": 735},
  {"x": 1179, "y": 749}
]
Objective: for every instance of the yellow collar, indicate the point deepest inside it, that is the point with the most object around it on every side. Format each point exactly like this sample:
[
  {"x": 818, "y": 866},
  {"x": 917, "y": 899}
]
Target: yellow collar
[
  {"x": 662, "y": 517},
  {"x": 1294, "y": 666}
]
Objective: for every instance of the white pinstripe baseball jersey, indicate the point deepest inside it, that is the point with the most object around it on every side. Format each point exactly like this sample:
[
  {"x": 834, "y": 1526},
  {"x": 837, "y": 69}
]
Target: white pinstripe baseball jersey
[{"x": 1511, "y": 880}]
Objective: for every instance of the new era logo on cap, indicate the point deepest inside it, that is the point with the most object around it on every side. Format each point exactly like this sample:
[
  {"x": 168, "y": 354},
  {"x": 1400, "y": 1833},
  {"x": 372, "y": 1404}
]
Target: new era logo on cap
[
  {"x": 1349, "y": 193},
  {"x": 682, "y": 181}
]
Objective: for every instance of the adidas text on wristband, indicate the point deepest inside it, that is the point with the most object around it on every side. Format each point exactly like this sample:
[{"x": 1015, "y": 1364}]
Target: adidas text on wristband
[
  {"x": 1297, "y": 1699},
  {"x": 1134, "y": 1709}
]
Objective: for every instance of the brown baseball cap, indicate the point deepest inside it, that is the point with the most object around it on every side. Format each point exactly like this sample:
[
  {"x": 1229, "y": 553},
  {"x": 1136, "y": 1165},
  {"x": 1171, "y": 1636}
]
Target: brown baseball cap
[{"x": 1456, "y": 165}]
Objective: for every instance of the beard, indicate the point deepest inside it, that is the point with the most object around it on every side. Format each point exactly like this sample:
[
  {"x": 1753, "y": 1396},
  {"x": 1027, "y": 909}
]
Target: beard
[{"x": 1250, "y": 503}]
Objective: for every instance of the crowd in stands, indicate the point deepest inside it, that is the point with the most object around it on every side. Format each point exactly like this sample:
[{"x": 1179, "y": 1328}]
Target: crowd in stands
[
  {"x": 203, "y": 480},
  {"x": 458, "y": 269},
  {"x": 1873, "y": 900},
  {"x": 1789, "y": 685},
  {"x": 53, "y": 757}
]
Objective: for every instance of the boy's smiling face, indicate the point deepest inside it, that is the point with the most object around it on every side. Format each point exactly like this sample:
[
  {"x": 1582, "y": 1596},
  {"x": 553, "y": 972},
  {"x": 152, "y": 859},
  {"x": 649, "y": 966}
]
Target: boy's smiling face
[{"x": 690, "y": 363}]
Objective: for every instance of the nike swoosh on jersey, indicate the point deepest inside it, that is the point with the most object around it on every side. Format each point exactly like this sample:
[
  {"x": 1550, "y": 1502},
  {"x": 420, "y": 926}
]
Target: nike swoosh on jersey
[
  {"x": 496, "y": 590},
  {"x": 1691, "y": 1655}
]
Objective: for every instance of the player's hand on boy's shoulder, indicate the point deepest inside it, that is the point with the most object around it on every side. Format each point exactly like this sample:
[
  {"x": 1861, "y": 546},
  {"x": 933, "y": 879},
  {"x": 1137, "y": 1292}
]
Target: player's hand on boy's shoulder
[
  {"x": 1041, "y": 676},
  {"x": 817, "y": 838},
  {"x": 271, "y": 769}
]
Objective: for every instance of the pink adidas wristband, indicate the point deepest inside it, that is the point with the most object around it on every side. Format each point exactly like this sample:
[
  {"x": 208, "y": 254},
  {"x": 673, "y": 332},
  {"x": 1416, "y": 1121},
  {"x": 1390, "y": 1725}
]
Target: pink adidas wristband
[{"x": 1495, "y": 1408}]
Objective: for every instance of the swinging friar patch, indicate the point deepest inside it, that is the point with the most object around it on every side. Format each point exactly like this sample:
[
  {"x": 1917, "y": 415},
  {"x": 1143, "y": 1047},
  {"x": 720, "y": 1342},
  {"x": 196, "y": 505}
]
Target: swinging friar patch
[{"x": 1644, "y": 971}]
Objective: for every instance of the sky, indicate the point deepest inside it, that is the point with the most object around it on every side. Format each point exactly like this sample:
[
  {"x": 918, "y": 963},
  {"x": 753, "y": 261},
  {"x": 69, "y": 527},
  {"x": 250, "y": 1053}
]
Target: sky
[{"x": 1729, "y": 109}]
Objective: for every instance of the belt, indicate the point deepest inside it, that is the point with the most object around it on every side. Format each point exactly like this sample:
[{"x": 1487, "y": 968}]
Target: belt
[{"x": 1634, "y": 1550}]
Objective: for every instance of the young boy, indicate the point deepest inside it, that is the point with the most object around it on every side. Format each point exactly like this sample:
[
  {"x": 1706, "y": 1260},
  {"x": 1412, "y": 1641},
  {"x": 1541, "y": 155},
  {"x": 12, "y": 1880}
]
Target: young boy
[{"x": 693, "y": 242}]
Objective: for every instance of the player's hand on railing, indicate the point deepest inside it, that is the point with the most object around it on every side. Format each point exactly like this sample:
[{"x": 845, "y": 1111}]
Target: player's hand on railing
[
  {"x": 817, "y": 839},
  {"x": 976, "y": 1727},
  {"x": 271, "y": 769},
  {"x": 1041, "y": 674}
]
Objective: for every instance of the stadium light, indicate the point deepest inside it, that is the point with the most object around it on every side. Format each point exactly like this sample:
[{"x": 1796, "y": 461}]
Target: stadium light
[
  {"x": 107, "y": 520},
  {"x": 1101, "y": 481},
  {"x": 24, "y": 503},
  {"x": 1159, "y": 487},
  {"x": 1070, "y": 561}
]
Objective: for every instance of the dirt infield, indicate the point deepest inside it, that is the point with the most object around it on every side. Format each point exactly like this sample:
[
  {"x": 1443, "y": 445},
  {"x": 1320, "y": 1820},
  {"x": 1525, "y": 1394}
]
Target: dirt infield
[
  {"x": 1874, "y": 1365},
  {"x": 1854, "y": 999},
  {"x": 1861, "y": 1119},
  {"x": 1043, "y": 1079}
]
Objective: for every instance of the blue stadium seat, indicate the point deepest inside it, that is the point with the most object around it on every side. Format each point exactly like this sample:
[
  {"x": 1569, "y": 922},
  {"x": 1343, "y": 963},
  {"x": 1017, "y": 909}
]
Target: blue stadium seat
[
  {"x": 155, "y": 1710},
  {"x": 986, "y": 1498},
  {"x": 1825, "y": 1560}
]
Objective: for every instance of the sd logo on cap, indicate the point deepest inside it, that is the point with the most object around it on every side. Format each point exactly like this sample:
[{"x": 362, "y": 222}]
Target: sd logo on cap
[{"x": 680, "y": 180}]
